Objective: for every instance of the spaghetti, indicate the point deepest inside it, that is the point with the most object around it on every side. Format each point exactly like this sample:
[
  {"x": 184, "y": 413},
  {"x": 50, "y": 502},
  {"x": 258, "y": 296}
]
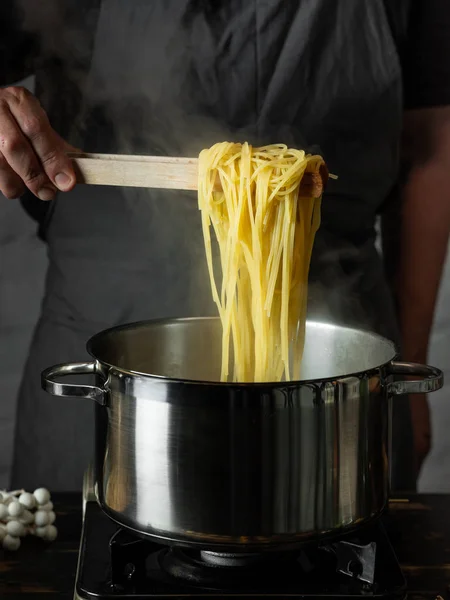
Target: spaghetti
[{"x": 265, "y": 231}]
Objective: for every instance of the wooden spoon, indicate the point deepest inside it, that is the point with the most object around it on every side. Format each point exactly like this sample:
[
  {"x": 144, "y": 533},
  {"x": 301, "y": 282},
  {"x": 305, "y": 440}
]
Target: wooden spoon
[{"x": 161, "y": 172}]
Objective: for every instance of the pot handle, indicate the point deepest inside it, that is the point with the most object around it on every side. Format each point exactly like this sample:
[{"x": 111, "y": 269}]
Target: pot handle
[
  {"x": 433, "y": 379},
  {"x": 71, "y": 389}
]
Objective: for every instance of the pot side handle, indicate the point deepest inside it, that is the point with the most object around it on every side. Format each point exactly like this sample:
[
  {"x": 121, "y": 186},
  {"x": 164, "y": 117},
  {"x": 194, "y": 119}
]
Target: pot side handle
[
  {"x": 433, "y": 379},
  {"x": 71, "y": 389}
]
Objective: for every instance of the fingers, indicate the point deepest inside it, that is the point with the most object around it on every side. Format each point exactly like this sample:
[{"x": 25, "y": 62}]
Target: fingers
[
  {"x": 21, "y": 157},
  {"x": 48, "y": 146},
  {"x": 10, "y": 183},
  {"x": 31, "y": 148}
]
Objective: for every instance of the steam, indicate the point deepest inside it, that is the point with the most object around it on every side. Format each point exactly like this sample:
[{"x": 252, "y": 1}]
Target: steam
[{"x": 151, "y": 84}]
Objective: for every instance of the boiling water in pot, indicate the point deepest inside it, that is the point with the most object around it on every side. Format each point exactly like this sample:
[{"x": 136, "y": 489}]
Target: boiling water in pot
[{"x": 191, "y": 349}]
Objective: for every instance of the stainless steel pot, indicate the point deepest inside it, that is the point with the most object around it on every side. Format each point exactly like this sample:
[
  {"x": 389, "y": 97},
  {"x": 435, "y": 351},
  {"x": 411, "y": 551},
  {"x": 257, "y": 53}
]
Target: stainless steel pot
[{"x": 187, "y": 459}]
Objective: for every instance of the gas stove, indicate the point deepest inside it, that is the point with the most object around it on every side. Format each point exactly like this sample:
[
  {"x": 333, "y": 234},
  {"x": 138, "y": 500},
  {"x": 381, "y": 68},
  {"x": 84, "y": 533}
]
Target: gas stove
[{"x": 116, "y": 564}]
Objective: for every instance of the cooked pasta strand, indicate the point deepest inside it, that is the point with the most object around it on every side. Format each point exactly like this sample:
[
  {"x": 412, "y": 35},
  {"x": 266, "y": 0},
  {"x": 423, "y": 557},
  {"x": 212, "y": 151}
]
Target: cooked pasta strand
[{"x": 265, "y": 233}]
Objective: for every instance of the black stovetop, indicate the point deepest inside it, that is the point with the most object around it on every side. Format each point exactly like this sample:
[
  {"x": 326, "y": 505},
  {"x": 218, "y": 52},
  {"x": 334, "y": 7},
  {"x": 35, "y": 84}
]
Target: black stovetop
[{"x": 116, "y": 565}]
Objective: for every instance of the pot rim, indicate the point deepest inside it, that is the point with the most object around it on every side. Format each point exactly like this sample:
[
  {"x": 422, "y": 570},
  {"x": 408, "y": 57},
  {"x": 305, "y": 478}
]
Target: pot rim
[{"x": 232, "y": 384}]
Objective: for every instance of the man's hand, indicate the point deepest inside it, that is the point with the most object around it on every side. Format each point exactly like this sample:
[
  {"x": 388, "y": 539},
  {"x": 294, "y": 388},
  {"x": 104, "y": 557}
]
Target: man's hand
[
  {"x": 421, "y": 426},
  {"x": 32, "y": 154}
]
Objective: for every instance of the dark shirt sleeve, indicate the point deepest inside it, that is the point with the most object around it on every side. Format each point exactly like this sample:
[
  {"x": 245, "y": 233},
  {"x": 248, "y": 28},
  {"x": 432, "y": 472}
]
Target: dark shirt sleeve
[
  {"x": 426, "y": 56},
  {"x": 18, "y": 48}
]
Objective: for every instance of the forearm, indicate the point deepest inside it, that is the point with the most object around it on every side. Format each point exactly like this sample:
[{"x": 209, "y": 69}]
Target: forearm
[{"x": 425, "y": 228}]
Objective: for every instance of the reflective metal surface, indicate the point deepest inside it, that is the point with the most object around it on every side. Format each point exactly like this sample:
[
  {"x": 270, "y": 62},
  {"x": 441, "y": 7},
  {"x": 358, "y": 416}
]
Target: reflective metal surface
[{"x": 237, "y": 467}]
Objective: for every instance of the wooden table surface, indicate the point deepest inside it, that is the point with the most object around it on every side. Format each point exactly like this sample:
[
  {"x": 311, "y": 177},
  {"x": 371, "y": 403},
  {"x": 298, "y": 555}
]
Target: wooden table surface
[{"x": 419, "y": 530}]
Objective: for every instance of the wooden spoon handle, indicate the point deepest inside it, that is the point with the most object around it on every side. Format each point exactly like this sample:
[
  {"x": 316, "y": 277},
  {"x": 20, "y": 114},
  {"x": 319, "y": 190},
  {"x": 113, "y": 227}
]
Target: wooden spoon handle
[{"x": 136, "y": 171}]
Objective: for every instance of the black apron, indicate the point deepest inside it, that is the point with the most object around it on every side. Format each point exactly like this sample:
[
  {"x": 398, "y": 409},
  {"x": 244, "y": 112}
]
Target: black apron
[{"x": 174, "y": 76}]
